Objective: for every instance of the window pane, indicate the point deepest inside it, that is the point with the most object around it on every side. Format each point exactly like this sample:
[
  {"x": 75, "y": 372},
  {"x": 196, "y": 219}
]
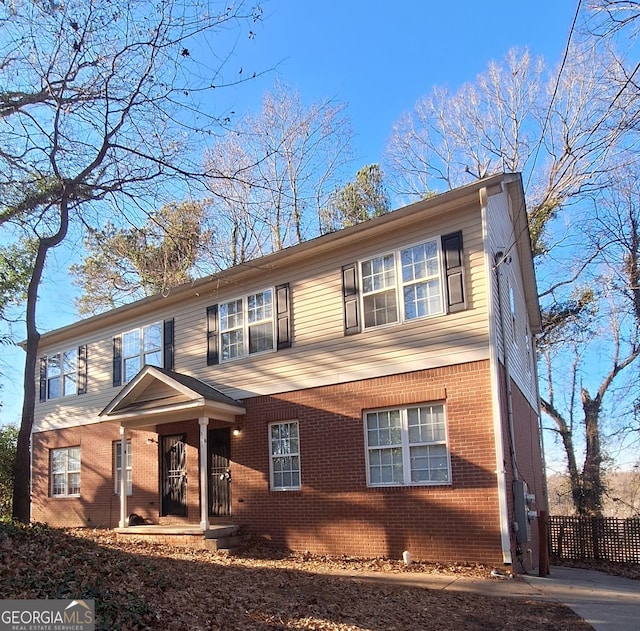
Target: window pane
[
  {"x": 58, "y": 461},
  {"x": 58, "y": 484},
  {"x": 231, "y": 315},
  {"x": 259, "y": 306},
  {"x": 131, "y": 344},
  {"x": 385, "y": 466},
  {"x": 378, "y": 273},
  {"x": 74, "y": 483},
  {"x": 152, "y": 335},
  {"x": 422, "y": 299},
  {"x": 232, "y": 344},
  {"x": 260, "y": 338},
  {"x": 53, "y": 388},
  {"x": 70, "y": 384},
  {"x": 429, "y": 464},
  {"x": 69, "y": 362},
  {"x": 420, "y": 261},
  {"x": 153, "y": 359},
  {"x": 73, "y": 459},
  {"x": 53, "y": 366},
  {"x": 380, "y": 309},
  {"x": 131, "y": 368}
]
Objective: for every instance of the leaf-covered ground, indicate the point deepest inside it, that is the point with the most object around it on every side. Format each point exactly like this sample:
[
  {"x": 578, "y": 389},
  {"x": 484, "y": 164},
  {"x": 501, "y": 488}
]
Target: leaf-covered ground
[{"x": 151, "y": 586}]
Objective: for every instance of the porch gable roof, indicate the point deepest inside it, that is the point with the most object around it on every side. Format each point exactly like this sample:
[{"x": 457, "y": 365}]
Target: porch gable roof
[{"x": 156, "y": 396}]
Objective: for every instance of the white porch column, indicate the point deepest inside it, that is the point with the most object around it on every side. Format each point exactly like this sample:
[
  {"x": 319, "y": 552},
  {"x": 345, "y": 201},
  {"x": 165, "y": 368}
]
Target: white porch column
[
  {"x": 204, "y": 486},
  {"x": 123, "y": 477}
]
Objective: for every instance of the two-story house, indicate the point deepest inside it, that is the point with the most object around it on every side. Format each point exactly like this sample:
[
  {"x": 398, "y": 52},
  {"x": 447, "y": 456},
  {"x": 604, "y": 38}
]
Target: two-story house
[{"x": 367, "y": 392}]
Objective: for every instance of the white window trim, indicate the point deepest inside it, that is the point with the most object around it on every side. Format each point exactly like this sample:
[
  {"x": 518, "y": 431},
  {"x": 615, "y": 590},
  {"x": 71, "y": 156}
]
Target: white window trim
[
  {"x": 141, "y": 354},
  {"x": 406, "y": 456},
  {"x": 272, "y": 485},
  {"x": 62, "y": 374},
  {"x": 400, "y": 284},
  {"x": 246, "y": 325},
  {"x": 117, "y": 470},
  {"x": 67, "y": 472}
]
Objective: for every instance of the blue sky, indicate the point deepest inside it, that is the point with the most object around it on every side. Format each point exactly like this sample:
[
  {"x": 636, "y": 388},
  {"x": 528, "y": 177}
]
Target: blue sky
[{"x": 378, "y": 57}]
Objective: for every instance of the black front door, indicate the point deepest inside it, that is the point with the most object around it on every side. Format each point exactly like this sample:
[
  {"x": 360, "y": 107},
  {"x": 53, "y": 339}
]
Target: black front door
[
  {"x": 174, "y": 475},
  {"x": 219, "y": 456}
]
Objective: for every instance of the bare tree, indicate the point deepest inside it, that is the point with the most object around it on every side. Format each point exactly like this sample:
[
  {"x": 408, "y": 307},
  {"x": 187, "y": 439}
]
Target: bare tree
[
  {"x": 569, "y": 132},
  {"x": 560, "y": 130},
  {"x": 289, "y": 158},
  {"x": 97, "y": 102}
]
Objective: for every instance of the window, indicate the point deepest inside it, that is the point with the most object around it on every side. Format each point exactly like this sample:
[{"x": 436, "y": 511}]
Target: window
[
  {"x": 117, "y": 466},
  {"x": 253, "y": 324},
  {"x": 421, "y": 280},
  {"x": 247, "y": 325},
  {"x": 407, "y": 446},
  {"x": 65, "y": 472},
  {"x": 403, "y": 285},
  {"x": 63, "y": 374},
  {"x": 285, "y": 456},
  {"x": 139, "y": 347},
  {"x": 512, "y": 307},
  {"x": 150, "y": 345}
]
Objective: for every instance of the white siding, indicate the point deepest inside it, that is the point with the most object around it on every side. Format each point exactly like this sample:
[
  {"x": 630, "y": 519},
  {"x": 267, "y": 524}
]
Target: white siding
[
  {"x": 502, "y": 238},
  {"x": 320, "y": 353}
]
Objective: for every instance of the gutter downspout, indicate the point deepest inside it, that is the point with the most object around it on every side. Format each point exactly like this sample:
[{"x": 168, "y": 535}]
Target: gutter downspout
[{"x": 501, "y": 473}]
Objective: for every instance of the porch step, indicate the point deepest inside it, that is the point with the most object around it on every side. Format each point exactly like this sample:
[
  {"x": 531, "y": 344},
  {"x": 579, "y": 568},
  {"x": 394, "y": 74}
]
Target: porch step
[
  {"x": 219, "y": 532},
  {"x": 221, "y": 537}
]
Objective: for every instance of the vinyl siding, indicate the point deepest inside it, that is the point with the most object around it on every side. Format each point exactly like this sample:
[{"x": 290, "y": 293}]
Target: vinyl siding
[
  {"x": 320, "y": 353},
  {"x": 502, "y": 238}
]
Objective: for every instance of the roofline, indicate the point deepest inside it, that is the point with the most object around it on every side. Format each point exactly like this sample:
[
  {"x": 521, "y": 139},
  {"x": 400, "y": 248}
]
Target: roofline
[{"x": 432, "y": 206}]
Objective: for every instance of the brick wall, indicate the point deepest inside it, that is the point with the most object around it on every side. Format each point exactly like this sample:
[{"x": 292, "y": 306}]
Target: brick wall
[{"x": 334, "y": 512}]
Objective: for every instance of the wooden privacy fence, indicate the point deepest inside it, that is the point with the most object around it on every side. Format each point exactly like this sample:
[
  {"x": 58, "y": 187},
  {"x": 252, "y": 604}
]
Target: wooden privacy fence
[{"x": 595, "y": 538}]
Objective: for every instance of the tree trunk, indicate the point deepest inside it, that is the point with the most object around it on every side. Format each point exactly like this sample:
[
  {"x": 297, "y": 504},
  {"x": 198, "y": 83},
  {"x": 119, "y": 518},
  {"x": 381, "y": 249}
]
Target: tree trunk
[
  {"x": 592, "y": 489},
  {"x": 21, "y": 470}
]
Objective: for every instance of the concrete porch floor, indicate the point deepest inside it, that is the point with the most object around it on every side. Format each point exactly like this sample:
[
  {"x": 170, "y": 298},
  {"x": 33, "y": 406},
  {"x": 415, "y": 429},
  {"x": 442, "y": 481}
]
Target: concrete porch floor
[{"x": 216, "y": 537}]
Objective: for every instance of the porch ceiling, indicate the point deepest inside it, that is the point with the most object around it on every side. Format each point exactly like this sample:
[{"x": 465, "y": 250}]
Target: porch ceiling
[{"x": 156, "y": 396}]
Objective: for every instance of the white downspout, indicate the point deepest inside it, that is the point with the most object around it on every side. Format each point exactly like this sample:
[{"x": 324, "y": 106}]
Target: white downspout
[
  {"x": 501, "y": 473},
  {"x": 203, "y": 421},
  {"x": 123, "y": 477}
]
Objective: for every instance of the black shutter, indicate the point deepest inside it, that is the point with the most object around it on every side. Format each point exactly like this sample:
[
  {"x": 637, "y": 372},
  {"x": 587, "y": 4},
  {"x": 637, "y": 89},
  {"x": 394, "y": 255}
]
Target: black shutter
[
  {"x": 212, "y": 335},
  {"x": 117, "y": 361},
  {"x": 452, "y": 249},
  {"x": 350, "y": 297},
  {"x": 167, "y": 359},
  {"x": 82, "y": 369},
  {"x": 283, "y": 314},
  {"x": 43, "y": 379}
]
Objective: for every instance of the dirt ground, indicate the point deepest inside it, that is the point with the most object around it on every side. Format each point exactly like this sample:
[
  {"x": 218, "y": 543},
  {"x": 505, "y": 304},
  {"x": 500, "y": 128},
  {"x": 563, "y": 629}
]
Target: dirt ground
[{"x": 152, "y": 586}]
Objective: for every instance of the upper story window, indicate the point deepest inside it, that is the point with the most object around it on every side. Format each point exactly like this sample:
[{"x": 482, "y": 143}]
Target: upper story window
[
  {"x": 407, "y": 446},
  {"x": 403, "y": 285},
  {"x": 63, "y": 374},
  {"x": 65, "y": 472},
  {"x": 420, "y": 280},
  {"x": 247, "y": 325},
  {"x": 150, "y": 345},
  {"x": 141, "y": 347},
  {"x": 256, "y": 323}
]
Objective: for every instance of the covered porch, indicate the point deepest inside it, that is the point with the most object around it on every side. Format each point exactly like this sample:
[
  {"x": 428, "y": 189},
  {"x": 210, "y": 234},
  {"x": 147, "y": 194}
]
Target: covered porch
[{"x": 157, "y": 397}]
